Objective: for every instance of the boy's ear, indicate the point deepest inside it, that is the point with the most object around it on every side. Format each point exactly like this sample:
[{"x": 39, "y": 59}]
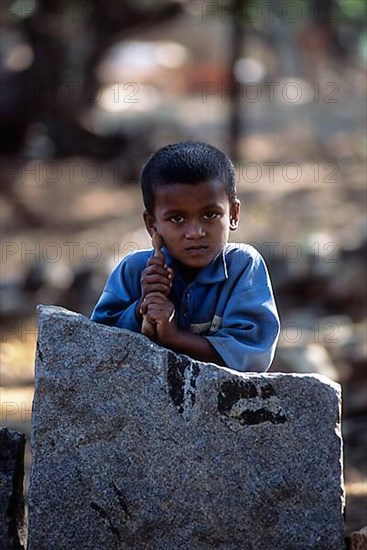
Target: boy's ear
[
  {"x": 150, "y": 223},
  {"x": 234, "y": 215}
]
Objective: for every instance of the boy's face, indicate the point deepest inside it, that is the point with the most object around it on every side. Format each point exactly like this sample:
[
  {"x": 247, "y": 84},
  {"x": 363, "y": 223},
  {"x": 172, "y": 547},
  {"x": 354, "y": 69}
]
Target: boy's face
[{"x": 193, "y": 220}]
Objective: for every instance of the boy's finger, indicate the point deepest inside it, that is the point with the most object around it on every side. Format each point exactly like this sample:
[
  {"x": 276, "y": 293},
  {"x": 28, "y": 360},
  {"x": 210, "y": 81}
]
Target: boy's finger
[
  {"x": 156, "y": 270},
  {"x": 151, "y": 278},
  {"x": 154, "y": 313},
  {"x": 157, "y": 275},
  {"x": 156, "y": 287},
  {"x": 163, "y": 288},
  {"x": 154, "y": 296},
  {"x": 158, "y": 264},
  {"x": 156, "y": 280},
  {"x": 156, "y": 260}
]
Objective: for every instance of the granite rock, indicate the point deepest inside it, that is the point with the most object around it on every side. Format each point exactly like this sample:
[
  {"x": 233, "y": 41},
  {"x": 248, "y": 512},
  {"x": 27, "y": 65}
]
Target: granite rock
[
  {"x": 12, "y": 526},
  {"x": 136, "y": 447}
]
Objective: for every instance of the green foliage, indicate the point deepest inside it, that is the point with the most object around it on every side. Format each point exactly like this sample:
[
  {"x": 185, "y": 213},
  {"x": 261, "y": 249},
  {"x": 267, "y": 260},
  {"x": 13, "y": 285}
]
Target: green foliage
[{"x": 353, "y": 9}]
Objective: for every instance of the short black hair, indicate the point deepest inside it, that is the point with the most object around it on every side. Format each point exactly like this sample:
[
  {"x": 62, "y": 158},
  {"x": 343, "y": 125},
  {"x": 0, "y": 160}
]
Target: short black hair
[{"x": 189, "y": 162}]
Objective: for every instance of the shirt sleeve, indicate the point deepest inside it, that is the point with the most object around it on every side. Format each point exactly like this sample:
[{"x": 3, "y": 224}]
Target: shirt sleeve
[
  {"x": 250, "y": 325},
  {"x": 117, "y": 303}
]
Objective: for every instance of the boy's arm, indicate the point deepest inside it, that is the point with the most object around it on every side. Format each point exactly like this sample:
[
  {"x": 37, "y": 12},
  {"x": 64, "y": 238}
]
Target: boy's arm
[
  {"x": 249, "y": 325},
  {"x": 161, "y": 312},
  {"x": 249, "y": 329},
  {"x": 195, "y": 346},
  {"x": 117, "y": 310},
  {"x": 120, "y": 302},
  {"x": 120, "y": 297}
]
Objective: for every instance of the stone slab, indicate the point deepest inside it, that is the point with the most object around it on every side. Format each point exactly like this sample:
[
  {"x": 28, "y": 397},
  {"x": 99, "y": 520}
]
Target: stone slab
[
  {"x": 12, "y": 525},
  {"x": 137, "y": 447}
]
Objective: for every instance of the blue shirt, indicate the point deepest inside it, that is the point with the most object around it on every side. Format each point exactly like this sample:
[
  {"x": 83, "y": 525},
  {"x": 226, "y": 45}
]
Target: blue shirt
[{"x": 230, "y": 303}]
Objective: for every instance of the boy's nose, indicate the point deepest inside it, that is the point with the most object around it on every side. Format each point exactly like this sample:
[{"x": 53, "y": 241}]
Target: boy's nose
[{"x": 194, "y": 231}]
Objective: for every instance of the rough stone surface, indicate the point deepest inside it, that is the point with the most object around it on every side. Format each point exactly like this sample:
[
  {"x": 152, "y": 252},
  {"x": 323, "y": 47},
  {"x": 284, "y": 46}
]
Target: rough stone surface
[
  {"x": 136, "y": 447},
  {"x": 12, "y": 528}
]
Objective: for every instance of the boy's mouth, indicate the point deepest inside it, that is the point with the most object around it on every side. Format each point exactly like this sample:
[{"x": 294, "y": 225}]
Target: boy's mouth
[{"x": 202, "y": 249}]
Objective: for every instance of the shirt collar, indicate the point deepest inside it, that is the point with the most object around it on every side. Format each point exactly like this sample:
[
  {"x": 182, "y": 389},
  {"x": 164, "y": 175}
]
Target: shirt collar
[{"x": 214, "y": 272}]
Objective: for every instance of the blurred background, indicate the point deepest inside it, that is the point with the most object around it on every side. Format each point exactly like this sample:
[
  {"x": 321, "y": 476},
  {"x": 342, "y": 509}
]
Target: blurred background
[{"x": 89, "y": 89}]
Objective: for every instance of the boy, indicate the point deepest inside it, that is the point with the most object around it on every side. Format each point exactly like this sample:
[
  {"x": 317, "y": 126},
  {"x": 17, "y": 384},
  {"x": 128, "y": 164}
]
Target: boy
[{"x": 208, "y": 299}]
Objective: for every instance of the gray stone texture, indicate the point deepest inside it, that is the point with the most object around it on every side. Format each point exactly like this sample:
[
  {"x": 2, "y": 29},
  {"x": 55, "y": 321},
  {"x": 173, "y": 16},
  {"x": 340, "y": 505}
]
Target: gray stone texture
[
  {"x": 136, "y": 447},
  {"x": 12, "y": 526}
]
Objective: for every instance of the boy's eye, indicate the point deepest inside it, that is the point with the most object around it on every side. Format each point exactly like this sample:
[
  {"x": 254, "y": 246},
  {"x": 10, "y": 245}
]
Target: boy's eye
[
  {"x": 211, "y": 215},
  {"x": 177, "y": 218}
]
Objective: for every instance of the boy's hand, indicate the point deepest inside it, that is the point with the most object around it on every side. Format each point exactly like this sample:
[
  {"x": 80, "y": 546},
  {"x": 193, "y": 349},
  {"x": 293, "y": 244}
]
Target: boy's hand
[
  {"x": 160, "y": 311},
  {"x": 156, "y": 277}
]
